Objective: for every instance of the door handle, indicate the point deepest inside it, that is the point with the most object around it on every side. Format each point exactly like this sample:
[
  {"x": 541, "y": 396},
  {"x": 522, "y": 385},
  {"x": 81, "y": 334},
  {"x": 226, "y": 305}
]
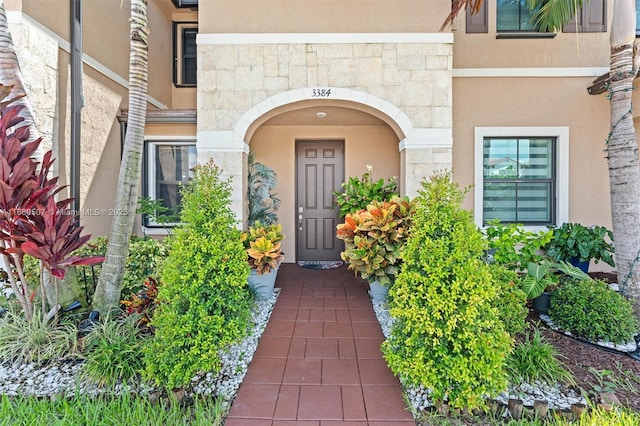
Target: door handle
[{"x": 300, "y": 210}]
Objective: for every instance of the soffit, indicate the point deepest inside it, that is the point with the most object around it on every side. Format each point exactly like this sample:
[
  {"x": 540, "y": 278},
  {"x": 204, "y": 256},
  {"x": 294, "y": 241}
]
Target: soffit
[{"x": 336, "y": 116}]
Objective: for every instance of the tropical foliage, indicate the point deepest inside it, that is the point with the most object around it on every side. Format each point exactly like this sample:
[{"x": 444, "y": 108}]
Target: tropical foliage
[
  {"x": 374, "y": 238},
  {"x": 34, "y": 223},
  {"x": 262, "y": 243},
  {"x": 263, "y": 205},
  {"x": 511, "y": 245},
  {"x": 203, "y": 301},
  {"x": 584, "y": 243},
  {"x": 590, "y": 310},
  {"x": 357, "y": 193},
  {"x": 447, "y": 334}
]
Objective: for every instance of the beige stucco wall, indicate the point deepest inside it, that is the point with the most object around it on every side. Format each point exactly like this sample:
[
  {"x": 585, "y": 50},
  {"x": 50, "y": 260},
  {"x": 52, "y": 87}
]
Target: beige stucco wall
[
  {"x": 41, "y": 33},
  {"x": 565, "y": 50},
  {"x": 535, "y": 102},
  {"x": 275, "y": 147},
  {"x": 322, "y": 16},
  {"x": 106, "y": 35}
]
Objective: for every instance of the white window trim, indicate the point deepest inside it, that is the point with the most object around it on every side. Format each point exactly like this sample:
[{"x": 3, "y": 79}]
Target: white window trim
[
  {"x": 178, "y": 56},
  {"x": 562, "y": 166},
  {"x": 151, "y": 141}
]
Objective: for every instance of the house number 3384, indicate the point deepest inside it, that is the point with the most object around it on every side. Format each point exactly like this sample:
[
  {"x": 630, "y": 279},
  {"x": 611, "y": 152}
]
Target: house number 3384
[{"x": 320, "y": 93}]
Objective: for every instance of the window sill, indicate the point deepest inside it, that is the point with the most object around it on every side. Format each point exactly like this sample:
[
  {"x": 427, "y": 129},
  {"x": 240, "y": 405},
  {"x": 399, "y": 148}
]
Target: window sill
[
  {"x": 524, "y": 34},
  {"x": 156, "y": 231}
]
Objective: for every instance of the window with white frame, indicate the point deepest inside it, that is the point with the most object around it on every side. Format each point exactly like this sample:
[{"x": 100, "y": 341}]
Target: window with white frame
[
  {"x": 169, "y": 166},
  {"x": 521, "y": 175},
  {"x": 637, "y": 18},
  {"x": 185, "y": 58}
]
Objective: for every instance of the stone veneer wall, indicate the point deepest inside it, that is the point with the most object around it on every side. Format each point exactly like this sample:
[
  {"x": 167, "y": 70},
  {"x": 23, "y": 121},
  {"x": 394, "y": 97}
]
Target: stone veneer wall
[{"x": 415, "y": 77}]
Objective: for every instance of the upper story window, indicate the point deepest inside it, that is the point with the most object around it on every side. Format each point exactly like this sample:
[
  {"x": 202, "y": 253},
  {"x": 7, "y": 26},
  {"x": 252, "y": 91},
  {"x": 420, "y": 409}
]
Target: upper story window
[
  {"x": 185, "y": 61},
  {"x": 192, "y": 4},
  {"x": 169, "y": 165},
  {"x": 514, "y": 15}
]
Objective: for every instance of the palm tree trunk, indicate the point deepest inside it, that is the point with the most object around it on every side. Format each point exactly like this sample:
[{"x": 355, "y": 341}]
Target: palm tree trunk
[
  {"x": 624, "y": 175},
  {"x": 107, "y": 295}
]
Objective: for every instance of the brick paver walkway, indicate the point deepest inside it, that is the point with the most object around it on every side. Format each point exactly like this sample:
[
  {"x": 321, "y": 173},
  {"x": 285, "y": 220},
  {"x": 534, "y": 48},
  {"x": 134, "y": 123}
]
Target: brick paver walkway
[{"x": 319, "y": 361}]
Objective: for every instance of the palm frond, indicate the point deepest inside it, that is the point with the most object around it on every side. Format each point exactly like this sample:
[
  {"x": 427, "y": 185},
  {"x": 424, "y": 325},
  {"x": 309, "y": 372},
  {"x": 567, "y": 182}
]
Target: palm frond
[
  {"x": 262, "y": 204},
  {"x": 552, "y": 15},
  {"x": 457, "y": 6}
]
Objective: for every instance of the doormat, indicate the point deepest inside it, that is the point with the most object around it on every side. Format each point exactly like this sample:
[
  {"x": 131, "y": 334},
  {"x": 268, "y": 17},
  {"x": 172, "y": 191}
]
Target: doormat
[{"x": 320, "y": 264}]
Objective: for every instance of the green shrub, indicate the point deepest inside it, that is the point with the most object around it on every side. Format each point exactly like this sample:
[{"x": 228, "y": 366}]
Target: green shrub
[
  {"x": 511, "y": 301},
  {"x": 584, "y": 243},
  {"x": 513, "y": 246},
  {"x": 113, "y": 351},
  {"x": 447, "y": 334},
  {"x": 590, "y": 310},
  {"x": 535, "y": 360},
  {"x": 601, "y": 417},
  {"x": 203, "y": 300},
  {"x": 358, "y": 193},
  {"x": 35, "y": 340},
  {"x": 144, "y": 260}
]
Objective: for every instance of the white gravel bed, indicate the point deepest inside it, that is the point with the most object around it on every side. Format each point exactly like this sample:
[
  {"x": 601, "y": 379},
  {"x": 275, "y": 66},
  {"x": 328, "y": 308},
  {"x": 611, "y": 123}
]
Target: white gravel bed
[
  {"x": 62, "y": 378},
  {"x": 558, "y": 397}
]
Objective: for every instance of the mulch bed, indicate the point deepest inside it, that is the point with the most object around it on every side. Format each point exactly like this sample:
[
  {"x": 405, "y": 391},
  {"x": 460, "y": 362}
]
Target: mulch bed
[{"x": 584, "y": 359}]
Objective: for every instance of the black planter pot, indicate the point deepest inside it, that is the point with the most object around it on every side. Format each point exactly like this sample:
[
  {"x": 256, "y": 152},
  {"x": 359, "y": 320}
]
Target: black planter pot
[{"x": 541, "y": 303}]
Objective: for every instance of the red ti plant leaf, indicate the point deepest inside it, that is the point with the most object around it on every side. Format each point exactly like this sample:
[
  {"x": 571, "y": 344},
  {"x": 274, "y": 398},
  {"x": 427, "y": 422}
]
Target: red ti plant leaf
[
  {"x": 53, "y": 237},
  {"x": 22, "y": 170},
  {"x": 32, "y": 249},
  {"x": 6, "y": 195},
  {"x": 29, "y": 148},
  {"x": 11, "y": 117}
]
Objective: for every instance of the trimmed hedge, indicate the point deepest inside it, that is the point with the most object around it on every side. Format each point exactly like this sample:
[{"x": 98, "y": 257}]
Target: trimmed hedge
[
  {"x": 203, "y": 300},
  {"x": 448, "y": 335}
]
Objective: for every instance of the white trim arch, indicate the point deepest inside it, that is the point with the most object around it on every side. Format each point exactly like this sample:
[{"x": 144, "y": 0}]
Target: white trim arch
[
  {"x": 236, "y": 140},
  {"x": 391, "y": 114}
]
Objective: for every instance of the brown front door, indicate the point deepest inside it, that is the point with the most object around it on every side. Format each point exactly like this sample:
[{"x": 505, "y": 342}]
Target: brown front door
[{"x": 319, "y": 171}]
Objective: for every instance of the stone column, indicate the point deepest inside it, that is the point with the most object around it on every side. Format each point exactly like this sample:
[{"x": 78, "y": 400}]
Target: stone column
[{"x": 229, "y": 152}]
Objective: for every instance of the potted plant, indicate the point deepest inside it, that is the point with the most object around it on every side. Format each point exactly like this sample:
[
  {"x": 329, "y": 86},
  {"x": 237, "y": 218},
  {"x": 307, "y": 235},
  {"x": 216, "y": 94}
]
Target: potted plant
[
  {"x": 374, "y": 239},
  {"x": 579, "y": 244},
  {"x": 264, "y": 255},
  {"x": 543, "y": 277},
  {"x": 357, "y": 193}
]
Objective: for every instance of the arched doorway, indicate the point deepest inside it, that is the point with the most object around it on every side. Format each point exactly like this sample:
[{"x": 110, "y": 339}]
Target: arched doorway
[{"x": 314, "y": 147}]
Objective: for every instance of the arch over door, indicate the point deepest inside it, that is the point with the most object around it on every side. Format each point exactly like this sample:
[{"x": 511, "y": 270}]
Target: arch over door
[{"x": 319, "y": 172}]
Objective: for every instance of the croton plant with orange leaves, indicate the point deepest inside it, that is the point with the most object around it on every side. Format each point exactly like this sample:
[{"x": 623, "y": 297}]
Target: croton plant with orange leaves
[{"x": 374, "y": 238}]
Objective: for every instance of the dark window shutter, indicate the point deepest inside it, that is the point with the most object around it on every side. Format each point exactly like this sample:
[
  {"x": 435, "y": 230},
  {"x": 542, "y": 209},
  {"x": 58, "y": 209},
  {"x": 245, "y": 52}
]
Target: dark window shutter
[
  {"x": 592, "y": 18},
  {"x": 478, "y": 23},
  {"x": 597, "y": 20}
]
